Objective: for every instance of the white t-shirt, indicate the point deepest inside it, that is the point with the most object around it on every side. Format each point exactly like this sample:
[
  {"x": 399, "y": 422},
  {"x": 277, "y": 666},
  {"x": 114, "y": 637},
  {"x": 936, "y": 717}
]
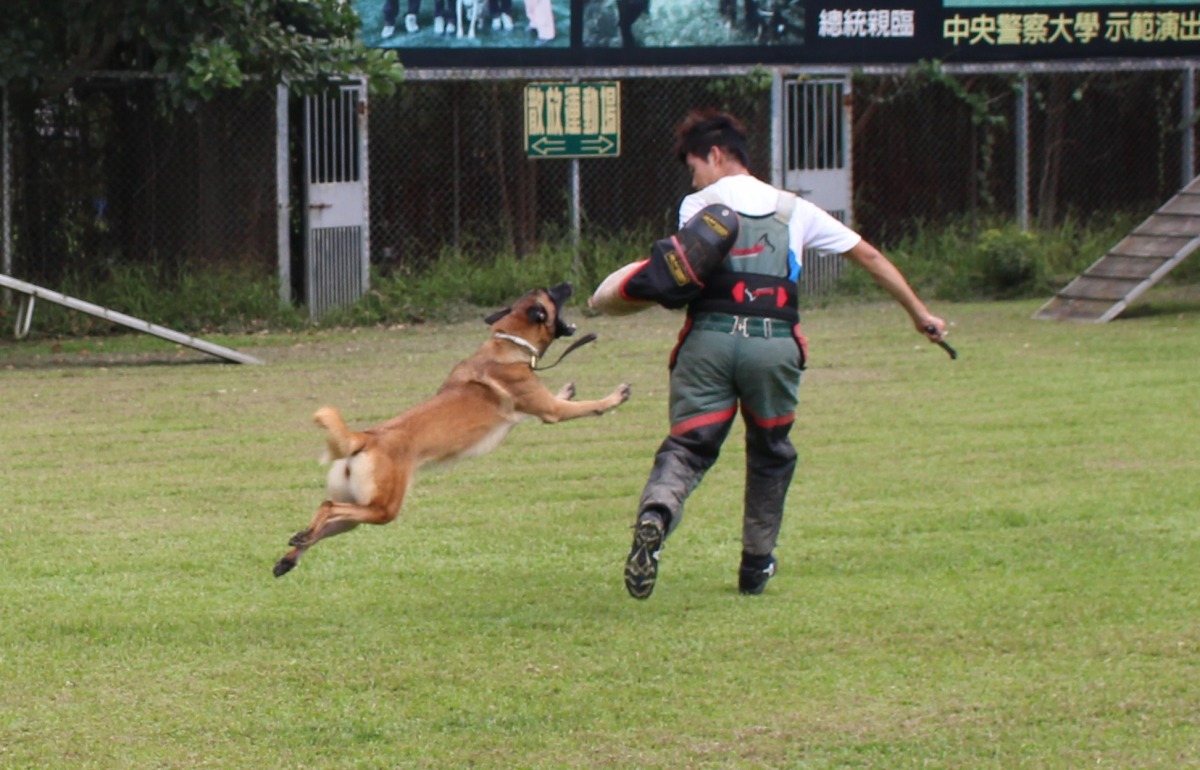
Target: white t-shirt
[{"x": 811, "y": 227}]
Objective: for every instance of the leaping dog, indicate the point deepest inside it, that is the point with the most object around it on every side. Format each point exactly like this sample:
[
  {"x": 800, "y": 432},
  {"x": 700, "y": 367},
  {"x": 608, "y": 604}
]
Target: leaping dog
[{"x": 475, "y": 408}]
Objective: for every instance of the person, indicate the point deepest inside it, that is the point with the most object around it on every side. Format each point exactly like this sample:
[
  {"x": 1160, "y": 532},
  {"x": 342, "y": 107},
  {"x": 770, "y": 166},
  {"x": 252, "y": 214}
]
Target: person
[
  {"x": 741, "y": 347},
  {"x": 443, "y": 18},
  {"x": 541, "y": 20},
  {"x": 500, "y": 12},
  {"x": 629, "y": 11}
]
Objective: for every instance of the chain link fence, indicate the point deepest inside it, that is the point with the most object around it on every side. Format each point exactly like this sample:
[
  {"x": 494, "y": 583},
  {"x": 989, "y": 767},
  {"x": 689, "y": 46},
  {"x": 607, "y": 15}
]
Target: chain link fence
[
  {"x": 104, "y": 176},
  {"x": 932, "y": 150},
  {"x": 449, "y": 170}
]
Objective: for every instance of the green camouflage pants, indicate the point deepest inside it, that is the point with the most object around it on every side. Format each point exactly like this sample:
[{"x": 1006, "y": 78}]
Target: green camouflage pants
[{"x": 714, "y": 373}]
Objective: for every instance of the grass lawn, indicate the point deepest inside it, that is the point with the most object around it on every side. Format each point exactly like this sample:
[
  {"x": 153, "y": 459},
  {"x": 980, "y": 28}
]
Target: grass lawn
[{"x": 986, "y": 563}]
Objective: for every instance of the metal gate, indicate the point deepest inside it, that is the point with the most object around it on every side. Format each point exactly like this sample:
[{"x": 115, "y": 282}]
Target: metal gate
[
  {"x": 336, "y": 251},
  {"x": 816, "y": 160}
]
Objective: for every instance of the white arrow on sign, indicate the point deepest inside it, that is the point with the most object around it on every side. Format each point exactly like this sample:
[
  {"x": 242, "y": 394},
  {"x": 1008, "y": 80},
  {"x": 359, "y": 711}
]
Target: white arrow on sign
[
  {"x": 545, "y": 145},
  {"x": 599, "y": 145}
]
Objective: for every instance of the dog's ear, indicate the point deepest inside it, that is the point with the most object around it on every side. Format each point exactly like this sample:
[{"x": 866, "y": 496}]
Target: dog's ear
[
  {"x": 494, "y": 317},
  {"x": 537, "y": 314}
]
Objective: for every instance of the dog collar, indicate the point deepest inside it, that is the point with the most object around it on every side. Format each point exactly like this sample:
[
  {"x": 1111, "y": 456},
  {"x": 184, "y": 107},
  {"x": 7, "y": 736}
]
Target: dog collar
[{"x": 533, "y": 352}]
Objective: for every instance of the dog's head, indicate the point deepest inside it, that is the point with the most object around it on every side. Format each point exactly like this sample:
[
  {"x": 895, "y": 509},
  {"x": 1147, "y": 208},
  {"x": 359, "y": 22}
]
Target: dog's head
[{"x": 536, "y": 317}]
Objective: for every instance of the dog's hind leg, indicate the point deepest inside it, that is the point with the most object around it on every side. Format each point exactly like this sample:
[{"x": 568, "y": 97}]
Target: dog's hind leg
[
  {"x": 327, "y": 527},
  {"x": 331, "y": 519},
  {"x": 334, "y": 518},
  {"x": 302, "y": 541}
]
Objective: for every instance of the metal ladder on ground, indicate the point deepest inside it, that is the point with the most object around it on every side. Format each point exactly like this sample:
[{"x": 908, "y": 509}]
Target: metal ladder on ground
[
  {"x": 1135, "y": 264},
  {"x": 29, "y": 293}
]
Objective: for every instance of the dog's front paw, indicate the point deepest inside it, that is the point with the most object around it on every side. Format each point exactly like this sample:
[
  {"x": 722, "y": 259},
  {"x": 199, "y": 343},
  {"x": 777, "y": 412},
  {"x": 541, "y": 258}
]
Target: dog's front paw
[
  {"x": 567, "y": 392},
  {"x": 615, "y": 399}
]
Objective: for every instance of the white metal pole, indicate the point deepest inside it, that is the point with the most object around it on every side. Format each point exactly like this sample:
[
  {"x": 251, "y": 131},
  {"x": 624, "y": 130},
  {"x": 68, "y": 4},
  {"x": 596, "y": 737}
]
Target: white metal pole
[
  {"x": 362, "y": 112},
  {"x": 777, "y": 128},
  {"x": 1022, "y": 128},
  {"x": 576, "y": 218},
  {"x": 283, "y": 208},
  {"x": 847, "y": 108}
]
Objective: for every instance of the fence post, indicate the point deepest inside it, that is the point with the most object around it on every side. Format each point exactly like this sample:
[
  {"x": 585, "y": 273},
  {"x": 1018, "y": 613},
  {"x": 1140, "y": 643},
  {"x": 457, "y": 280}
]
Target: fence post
[
  {"x": 777, "y": 137},
  {"x": 1189, "y": 126},
  {"x": 456, "y": 150},
  {"x": 1022, "y": 131},
  {"x": 6, "y": 256},
  {"x": 283, "y": 207},
  {"x": 576, "y": 195},
  {"x": 576, "y": 192}
]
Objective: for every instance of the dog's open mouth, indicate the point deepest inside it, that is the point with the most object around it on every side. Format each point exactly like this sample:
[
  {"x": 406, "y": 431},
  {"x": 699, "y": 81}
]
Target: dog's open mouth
[{"x": 560, "y": 294}]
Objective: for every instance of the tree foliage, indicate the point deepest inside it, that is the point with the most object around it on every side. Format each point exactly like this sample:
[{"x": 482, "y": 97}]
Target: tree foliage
[{"x": 198, "y": 47}]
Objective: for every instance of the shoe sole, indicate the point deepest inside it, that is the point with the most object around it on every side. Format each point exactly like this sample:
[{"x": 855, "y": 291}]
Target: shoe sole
[{"x": 641, "y": 567}]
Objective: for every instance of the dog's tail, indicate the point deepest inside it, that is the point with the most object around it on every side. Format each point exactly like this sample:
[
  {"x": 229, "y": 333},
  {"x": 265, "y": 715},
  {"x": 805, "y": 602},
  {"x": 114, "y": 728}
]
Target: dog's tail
[{"x": 341, "y": 441}]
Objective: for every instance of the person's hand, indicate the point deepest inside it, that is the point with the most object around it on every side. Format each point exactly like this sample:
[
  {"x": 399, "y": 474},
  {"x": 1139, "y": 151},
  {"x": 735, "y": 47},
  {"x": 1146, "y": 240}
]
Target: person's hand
[{"x": 932, "y": 327}]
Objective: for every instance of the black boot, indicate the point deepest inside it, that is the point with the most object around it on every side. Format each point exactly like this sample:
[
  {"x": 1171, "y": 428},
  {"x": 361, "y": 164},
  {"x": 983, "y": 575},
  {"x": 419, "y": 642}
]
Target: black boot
[
  {"x": 755, "y": 572},
  {"x": 641, "y": 566}
]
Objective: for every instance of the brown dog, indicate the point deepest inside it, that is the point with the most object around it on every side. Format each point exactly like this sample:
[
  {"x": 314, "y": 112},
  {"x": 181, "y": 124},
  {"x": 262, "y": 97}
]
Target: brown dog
[{"x": 477, "y": 405}]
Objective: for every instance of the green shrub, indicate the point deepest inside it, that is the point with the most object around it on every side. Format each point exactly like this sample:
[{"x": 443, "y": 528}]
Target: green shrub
[
  {"x": 995, "y": 260},
  {"x": 961, "y": 261},
  {"x": 1009, "y": 262},
  {"x": 229, "y": 299},
  {"x": 456, "y": 286}
]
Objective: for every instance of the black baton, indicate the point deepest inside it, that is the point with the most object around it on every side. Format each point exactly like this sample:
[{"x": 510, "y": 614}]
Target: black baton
[{"x": 942, "y": 343}]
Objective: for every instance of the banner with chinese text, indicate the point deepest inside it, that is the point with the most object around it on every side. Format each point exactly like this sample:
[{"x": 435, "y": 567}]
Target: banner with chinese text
[{"x": 547, "y": 33}]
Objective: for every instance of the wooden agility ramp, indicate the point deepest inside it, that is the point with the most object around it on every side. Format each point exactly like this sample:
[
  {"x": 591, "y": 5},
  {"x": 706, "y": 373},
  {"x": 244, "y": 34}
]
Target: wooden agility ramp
[
  {"x": 29, "y": 293},
  {"x": 1135, "y": 264}
]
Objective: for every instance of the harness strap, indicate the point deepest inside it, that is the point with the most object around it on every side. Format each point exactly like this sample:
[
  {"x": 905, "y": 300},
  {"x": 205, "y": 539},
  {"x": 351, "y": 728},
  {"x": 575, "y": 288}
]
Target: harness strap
[
  {"x": 785, "y": 204},
  {"x": 749, "y": 294}
]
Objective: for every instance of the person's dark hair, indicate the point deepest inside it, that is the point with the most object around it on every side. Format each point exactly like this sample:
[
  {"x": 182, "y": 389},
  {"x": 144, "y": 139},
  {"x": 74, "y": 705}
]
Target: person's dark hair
[{"x": 705, "y": 129}]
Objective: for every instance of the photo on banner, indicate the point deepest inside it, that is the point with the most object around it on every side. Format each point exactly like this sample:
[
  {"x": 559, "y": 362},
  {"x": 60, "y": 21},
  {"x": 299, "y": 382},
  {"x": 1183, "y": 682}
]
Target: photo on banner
[
  {"x": 692, "y": 23},
  {"x": 582, "y": 33},
  {"x": 457, "y": 25}
]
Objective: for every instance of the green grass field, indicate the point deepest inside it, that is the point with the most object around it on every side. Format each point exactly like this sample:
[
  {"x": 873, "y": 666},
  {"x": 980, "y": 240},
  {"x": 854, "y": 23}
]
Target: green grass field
[{"x": 986, "y": 563}]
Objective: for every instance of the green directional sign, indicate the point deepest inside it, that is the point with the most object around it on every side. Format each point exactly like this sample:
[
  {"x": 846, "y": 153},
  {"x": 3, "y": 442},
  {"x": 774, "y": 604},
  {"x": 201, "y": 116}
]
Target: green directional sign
[{"x": 573, "y": 120}]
